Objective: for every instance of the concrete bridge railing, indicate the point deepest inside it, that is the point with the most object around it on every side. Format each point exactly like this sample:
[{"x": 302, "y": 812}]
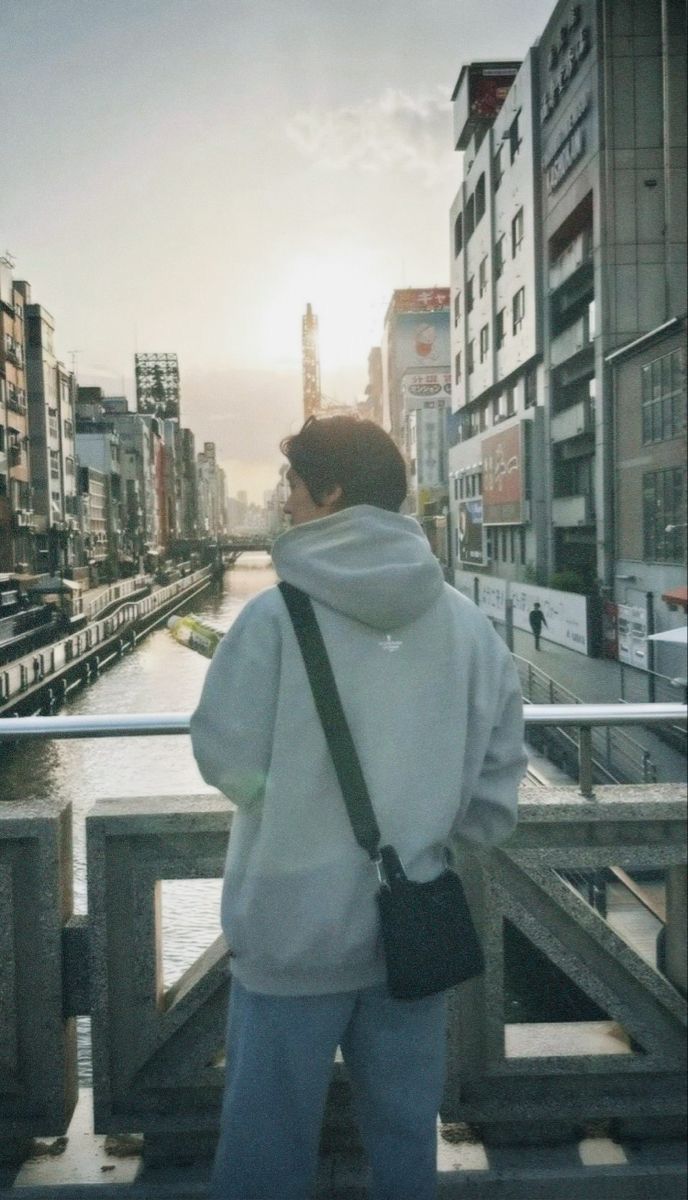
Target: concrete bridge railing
[{"x": 157, "y": 1052}]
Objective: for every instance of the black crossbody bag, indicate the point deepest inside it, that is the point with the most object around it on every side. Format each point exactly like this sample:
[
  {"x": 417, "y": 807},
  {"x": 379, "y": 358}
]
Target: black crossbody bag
[{"x": 428, "y": 936}]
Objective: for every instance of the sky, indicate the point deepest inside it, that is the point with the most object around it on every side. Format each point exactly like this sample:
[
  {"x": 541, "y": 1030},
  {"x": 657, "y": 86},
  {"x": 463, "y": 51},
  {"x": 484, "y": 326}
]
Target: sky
[{"x": 185, "y": 175}]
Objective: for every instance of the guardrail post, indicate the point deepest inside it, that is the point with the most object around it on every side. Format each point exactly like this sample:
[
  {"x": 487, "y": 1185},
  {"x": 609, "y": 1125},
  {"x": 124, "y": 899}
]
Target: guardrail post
[{"x": 585, "y": 782}]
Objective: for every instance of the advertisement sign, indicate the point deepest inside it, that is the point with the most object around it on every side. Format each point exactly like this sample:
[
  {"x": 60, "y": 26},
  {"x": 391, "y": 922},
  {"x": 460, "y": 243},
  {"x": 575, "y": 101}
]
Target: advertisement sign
[
  {"x": 632, "y": 635},
  {"x": 417, "y": 300},
  {"x": 492, "y": 597},
  {"x": 566, "y": 614},
  {"x": 471, "y": 531},
  {"x": 488, "y": 88},
  {"x": 503, "y": 477},
  {"x": 421, "y": 343},
  {"x": 420, "y": 386}
]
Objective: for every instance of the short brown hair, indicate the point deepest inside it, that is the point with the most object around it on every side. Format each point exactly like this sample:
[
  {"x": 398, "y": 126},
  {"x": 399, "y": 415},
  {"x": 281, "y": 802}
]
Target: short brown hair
[{"x": 351, "y": 452}]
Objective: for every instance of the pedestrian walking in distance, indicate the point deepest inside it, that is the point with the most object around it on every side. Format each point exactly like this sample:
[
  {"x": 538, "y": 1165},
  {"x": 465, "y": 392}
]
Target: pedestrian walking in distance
[
  {"x": 536, "y": 618},
  {"x": 433, "y": 705}
]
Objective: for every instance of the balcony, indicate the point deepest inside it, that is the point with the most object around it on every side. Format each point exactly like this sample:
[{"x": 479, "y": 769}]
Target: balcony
[
  {"x": 573, "y": 421},
  {"x": 575, "y": 339},
  {"x": 609, "y": 1086},
  {"x": 576, "y": 255},
  {"x": 570, "y": 511}
]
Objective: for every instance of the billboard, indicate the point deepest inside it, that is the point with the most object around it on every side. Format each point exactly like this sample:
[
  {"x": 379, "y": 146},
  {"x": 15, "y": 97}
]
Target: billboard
[
  {"x": 503, "y": 476},
  {"x": 488, "y": 88},
  {"x": 421, "y": 343},
  {"x": 471, "y": 531},
  {"x": 415, "y": 300},
  {"x": 157, "y": 385}
]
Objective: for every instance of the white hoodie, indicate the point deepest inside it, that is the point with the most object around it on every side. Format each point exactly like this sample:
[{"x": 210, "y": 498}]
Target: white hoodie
[{"x": 434, "y": 707}]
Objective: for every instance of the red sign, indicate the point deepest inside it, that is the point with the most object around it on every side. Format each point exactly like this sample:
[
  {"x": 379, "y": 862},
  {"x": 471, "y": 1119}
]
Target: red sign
[
  {"x": 420, "y": 300},
  {"x": 503, "y": 478}
]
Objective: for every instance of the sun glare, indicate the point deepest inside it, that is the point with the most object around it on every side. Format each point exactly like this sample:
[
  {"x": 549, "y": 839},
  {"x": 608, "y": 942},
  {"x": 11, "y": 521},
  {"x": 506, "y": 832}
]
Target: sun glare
[{"x": 348, "y": 300}]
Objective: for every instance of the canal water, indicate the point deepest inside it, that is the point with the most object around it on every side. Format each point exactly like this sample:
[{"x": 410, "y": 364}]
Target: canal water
[{"x": 158, "y": 676}]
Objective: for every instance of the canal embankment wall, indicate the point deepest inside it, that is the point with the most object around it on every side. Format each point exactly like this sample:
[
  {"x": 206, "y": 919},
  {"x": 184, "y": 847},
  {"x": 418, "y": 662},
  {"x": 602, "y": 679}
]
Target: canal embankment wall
[{"x": 40, "y": 681}]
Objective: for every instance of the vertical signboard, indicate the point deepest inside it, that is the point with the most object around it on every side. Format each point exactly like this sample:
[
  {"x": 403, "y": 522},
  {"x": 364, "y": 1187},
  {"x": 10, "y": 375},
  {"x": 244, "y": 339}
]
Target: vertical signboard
[
  {"x": 632, "y": 635},
  {"x": 471, "y": 531}
]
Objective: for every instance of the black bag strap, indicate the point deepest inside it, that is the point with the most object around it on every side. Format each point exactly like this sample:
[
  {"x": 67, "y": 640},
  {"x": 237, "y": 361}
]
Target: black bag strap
[{"x": 334, "y": 723}]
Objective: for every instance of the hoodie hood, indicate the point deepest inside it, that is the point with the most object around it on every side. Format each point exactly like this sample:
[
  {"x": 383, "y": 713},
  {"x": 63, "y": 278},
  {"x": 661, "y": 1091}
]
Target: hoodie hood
[{"x": 367, "y": 563}]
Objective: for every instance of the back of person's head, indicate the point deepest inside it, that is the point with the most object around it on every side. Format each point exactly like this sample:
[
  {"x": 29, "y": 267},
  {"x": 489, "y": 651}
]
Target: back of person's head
[{"x": 351, "y": 452}]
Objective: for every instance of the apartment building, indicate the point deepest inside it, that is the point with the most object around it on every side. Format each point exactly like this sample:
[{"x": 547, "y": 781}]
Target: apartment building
[
  {"x": 496, "y": 499},
  {"x": 16, "y": 510}
]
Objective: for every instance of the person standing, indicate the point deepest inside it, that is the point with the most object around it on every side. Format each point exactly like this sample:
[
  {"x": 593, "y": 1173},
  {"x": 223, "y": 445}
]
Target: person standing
[
  {"x": 433, "y": 703},
  {"x": 536, "y": 618}
]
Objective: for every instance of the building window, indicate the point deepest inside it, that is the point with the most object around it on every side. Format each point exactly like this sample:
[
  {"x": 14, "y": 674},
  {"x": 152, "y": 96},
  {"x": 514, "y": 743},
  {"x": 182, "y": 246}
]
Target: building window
[
  {"x": 518, "y": 309},
  {"x": 457, "y": 368},
  {"x": 480, "y": 198},
  {"x": 54, "y": 464},
  {"x": 458, "y": 235},
  {"x": 514, "y": 138},
  {"x": 69, "y": 466},
  {"x": 469, "y": 295},
  {"x": 500, "y": 328},
  {"x": 457, "y": 308},
  {"x": 484, "y": 342},
  {"x": 497, "y": 169},
  {"x": 531, "y": 389},
  {"x": 470, "y": 217},
  {"x": 499, "y": 256},
  {"x": 516, "y": 232},
  {"x": 482, "y": 276},
  {"x": 510, "y": 401},
  {"x": 664, "y": 533},
  {"x": 664, "y": 398},
  {"x": 470, "y": 356}
]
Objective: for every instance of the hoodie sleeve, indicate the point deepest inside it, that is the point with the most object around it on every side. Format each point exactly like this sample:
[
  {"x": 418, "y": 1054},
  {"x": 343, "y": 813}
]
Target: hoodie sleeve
[
  {"x": 232, "y": 727},
  {"x": 490, "y": 814}
]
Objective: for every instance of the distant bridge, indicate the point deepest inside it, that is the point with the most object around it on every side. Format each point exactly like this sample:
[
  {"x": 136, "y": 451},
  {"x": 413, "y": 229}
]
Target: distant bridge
[{"x": 231, "y": 546}]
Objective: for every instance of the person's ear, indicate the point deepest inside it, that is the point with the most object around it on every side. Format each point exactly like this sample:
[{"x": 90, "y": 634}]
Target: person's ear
[{"x": 332, "y": 499}]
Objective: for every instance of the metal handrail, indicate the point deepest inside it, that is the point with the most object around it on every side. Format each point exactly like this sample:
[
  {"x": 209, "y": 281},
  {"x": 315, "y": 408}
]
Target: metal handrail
[{"x": 582, "y": 716}]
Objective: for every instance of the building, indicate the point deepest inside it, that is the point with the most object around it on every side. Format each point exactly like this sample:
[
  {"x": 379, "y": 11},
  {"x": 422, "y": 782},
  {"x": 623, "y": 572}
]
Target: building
[
  {"x": 98, "y": 449},
  {"x": 212, "y": 494},
  {"x": 612, "y": 122},
  {"x": 310, "y": 352},
  {"x": 650, "y": 527},
  {"x": 496, "y": 428},
  {"x": 50, "y": 391},
  {"x": 93, "y": 518},
  {"x": 371, "y": 407},
  {"x": 189, "y": 485},
  {"x": 16, "y": 506}
]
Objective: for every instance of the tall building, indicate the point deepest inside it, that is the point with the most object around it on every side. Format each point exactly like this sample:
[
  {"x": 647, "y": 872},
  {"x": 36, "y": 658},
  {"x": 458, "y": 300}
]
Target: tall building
[
  {"x": 496, "y": 429},
  {"x": 312, "y": 396},
  {"x": 612, "y": 121},
  {"x": 212, "y": 493},
  {"x": 416, "y": 387},
  {"x": 157, "y": 385},
  {"x": 16, "y": 505},
  {"x": 50, "y": 391}
]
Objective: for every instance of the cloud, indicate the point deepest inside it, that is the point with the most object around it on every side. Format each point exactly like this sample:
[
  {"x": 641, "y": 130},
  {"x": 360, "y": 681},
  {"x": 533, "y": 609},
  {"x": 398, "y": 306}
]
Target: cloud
[{"x": 393, "y": 131}]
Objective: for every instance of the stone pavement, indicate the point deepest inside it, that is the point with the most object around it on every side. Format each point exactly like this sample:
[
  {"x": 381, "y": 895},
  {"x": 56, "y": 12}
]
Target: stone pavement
[{"x": 594, "y": 1168}]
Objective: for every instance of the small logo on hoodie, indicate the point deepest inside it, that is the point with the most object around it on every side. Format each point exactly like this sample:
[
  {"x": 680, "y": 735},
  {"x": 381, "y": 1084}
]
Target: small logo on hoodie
[{"x": 388, "y": 644}]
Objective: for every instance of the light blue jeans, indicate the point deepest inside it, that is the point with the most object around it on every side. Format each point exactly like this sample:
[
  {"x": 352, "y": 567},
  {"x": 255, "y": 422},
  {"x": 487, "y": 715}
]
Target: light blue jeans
[{"x": 280, "y": 1052}]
